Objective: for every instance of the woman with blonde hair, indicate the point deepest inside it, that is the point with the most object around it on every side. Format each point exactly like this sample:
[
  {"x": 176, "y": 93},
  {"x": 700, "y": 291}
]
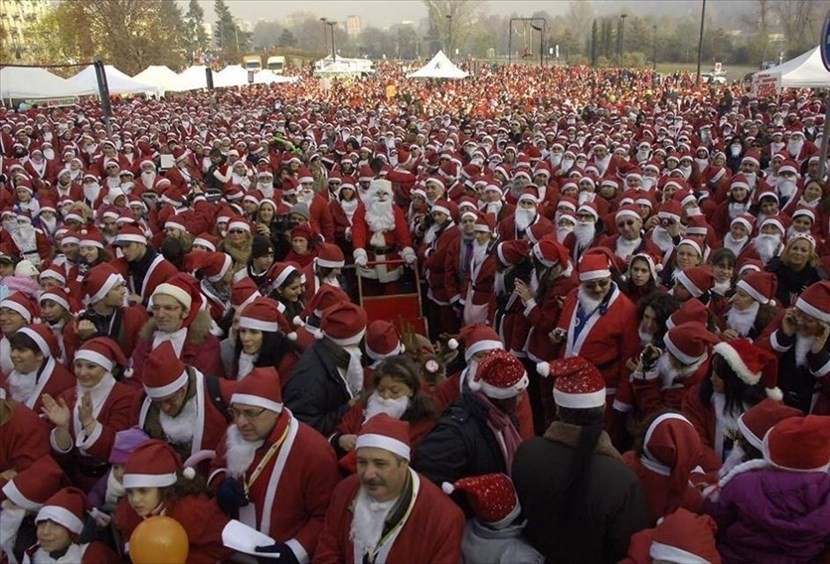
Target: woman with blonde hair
[
  {"x": 796, "y": 268},
  {"x": 238, "y": 242}
]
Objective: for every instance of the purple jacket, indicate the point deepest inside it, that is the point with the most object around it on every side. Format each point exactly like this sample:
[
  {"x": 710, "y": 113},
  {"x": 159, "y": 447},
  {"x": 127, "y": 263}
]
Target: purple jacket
[{"x": 773, "y": 516}]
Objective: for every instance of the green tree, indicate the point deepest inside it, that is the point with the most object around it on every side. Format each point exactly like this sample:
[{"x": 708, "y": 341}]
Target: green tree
[
  {"x": 196, "y": 38},
  {"x": 231, "y": 41},
  {"x": 287, "y": 38}
]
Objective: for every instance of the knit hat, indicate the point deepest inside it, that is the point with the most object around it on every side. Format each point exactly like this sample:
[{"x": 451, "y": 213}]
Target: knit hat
[
  {"x": 164, "y": 373},
  {"x": 44, "y": 338},
  {"x": 477, "y": 338},
  {"x": 20, "y": 304},
  {"x": 689, "y": 342},
  {"x": 578, "y": 384},
  {"x": 384, "y": 432},
  {"x": 261, "y": 246},
  {"x": 550, "y": 252},
  {"x": 330, "y": 255},
  {"x": 260, "y": 388},
  {"x": 761, "y": 417},
  {"x": 500, "y": 376},
  {"x": 492, "y": 496},
  {"x": 382, "y": 340},
  {"x": 697, "y": 280},
  {"x": 102, "y": 351},
  {"x": 593, "y": 266},
  {"x": 799, "y": 444},
  {"x": 99, "y": 281},
  {"x": 32, "y": 488},
  {"x": 344, "y": 324},
  {"x": 125, "y": 442},
  {"x": 760, "y": 285},
  {"x": 263, "y": 314},
  {"x": 301, "y": 209},
  {"x": 67, "y": 508},
  {"x": 211, "y": 265},
  {"x": 814, "y": 301},
  {"x": 750, "y": 363},
  {"x": 691, "y": 310},
  {"x": 684, "y": 536},
  {"x": 672, "y": 447},
  {"x": 153, "y": 464}
]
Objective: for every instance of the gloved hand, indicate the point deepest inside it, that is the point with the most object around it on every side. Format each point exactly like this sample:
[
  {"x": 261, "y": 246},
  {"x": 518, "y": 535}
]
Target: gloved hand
[
  {"x": 286, "y": 555},
  {"x": 360, "y": 257},
  {"x": 231, "y": 496},
  {"x": 408, "y": 255}
]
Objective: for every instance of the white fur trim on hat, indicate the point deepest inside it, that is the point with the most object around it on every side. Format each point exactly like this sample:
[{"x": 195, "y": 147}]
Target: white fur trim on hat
[
  {"x": 688, "y": 284},
  {"x": 204, "y": 243},
  {"x": 243, "y": 225},
  {"x": 224, "y": 270},
  {"x": 39, "y": 341},
  {"x": 495, "y": 392},
  {"x": 579, "y": 401},
  {"x": 680, "y": 355},
  {"x": 668, "y": 553},
  {"x": 169, "y": 389},
  {"x": 14, "y": 495},
  {"x": 386, "y": 443},
  {"x": 258, "y": 401},
  {"x": 485, "y": 345},
  {"x": 62, "y": 516},
  {"x": 123, "y": 238},
  {"x": 749, "y": 289},
  {"x": 105, "y": 288},
  {"x": 811, "y": 310},
  {"x": 258, "y": 324},
  {"x": 174, "y": 292},
  {"x": 94, "y": 358},
  {"x": 149, "y": 480},
  {"x": 353, "y": 340},
  {"x": 14, "y": 306}
]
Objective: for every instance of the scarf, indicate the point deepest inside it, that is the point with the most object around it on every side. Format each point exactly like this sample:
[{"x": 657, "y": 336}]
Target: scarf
[
  {"x": 240, "y": 256},
  {"x": 503, "y": 429},
  {"x": 115, "y": 490}
]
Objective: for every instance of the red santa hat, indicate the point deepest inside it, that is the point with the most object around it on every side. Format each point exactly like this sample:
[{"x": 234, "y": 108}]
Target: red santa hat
[
  {"x": 102, "y": 351},
  {"x": 492, "y": 497},
  {"x": 239, "y": 223},
  {"x": 91, "y": 237},
  {"x": 330, "y": 256},
  {"x": 689, "y": 342},
  {"x": 670, "y": 210},
  {"x": 799, "y": 444},
  {"x": 207, "y": 241},
  {"x": 691, "y": 310},
  {"x": 212, "y": 265},
  {"x": 761, "y": 286},
  {"x": 789, "y": 166},
  {"x": 443, "y": 206},
  {"x": 698, "y": 280},
  {"x": 500, "y": 376},
  {"x": 244, "y": 291},
  {"x": 672, "y": 447},
  {"x": 578, "y": 383},
  {"x": 761, "y": 417},
  {"x": 67, "y": 508},
  {"x": 154, "y": 464},
  {"x": 751, "y": 364},
  {"x": 628, "y": 211},
  {"x": 387, "y": 433},
  {"x": 186, "y": 290},
  {"x": 55, "y": 272},
  {"x": 745, "y": 219},
  {"x": 44, "y": 338},
  {"x": 260, "y": 388},
  {"x": 752, "y": 157},
  {"x": 513, "y": 252},
  {"x": 382, "y": 340},
  {"x": 344, "y": 324},
  {"x": 476, "y": 338},
  {"x": 814, "y": 301},
  {"x": 130, "y": 234},
  {"x": 684, "y": 536},
  {"x": 278, "y": 273},
  {"x": 164, "y": 373},
  {"x": 263, "y": 314},
  {"x": 29, "y": 490},
  {"x": 19, "y": 303},
  {"x": 326, "y": 297},
  {"x": 594, "y": 266},
  {"x": 175, "y": 222},
  {"x": 805, "y": 211},
  {"x": 485, "y": 223},
  {"x": 99, "y": 281},
  {"x": 550, "y": 252}
]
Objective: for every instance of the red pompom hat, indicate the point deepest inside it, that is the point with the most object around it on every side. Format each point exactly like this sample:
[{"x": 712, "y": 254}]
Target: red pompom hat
[{"x": 492, "y": 496}]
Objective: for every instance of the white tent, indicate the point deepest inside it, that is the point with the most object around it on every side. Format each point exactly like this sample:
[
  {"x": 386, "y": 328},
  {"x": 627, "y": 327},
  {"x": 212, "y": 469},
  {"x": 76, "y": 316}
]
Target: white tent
[
  {"x": 158, "y": 75},
  {"x": 805, "y": 71},
  {"x": 191, "y": 79},
  {"x": 34, "y": 84},
  {"x": 439, "y": 67},
  {"x": 269, "y": 77},
  {"x": 117, "y": 82},
  {"x": 231, "y": 75}
]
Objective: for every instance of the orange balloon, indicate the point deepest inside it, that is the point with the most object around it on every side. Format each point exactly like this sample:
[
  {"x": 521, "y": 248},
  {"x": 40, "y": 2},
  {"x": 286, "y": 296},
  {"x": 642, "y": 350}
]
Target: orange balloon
[{"x": 159, "y": 539}]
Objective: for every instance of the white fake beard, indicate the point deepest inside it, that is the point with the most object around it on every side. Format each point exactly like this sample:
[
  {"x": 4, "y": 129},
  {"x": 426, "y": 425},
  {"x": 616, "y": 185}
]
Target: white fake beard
[
  {"x": 305, "y": 196},
  {"x": 794, "y": 147},
  {"x": 267, "y": 189},
  {"x": 786, "y": 189},
  {"x": 21, "y": 386},
  {"x": 479, "y": 252},
  {"x": 742, "y": 321},
  {"x": 734, "y": 245},
  {"x": 524, "y": 218},
  {"x": 648, "y": 183},
  {"x": 9, "y": 525},
  {"x": 354, "y": 373},
  {"x": 584, "y": 233},
  {"x": 767, "y": 246},
  {"x": 394, "y": 408},
  {"x": 737, "y": 208},
  {"x": 776, "y": 147},
  {"x": 751, "y": 179},
  {"x": 494, "y": 207},
  {"x": 802, "y": 347},
  {"x": 180, "y": 429},
  {"x": 147, "y": 178},
  {"x": 563, "y": 232},
  {"x": 367, "y": 521},
  {"x": 661, "y": 237},
  {"x": 587, "y": 303},
  {"x": 602, "y": 164},
  {"x": 49, "y": 154},
  {"x": 686, "y": 171},
  {"x": 585, "y": 196},
  {"x": 49, "y": 225},
  {"x": 379, "y": 215},
  {"x": 349, "y": 206},
  {"x": 642, "y": 156},
  {"x": 626, "y": 248},
  {"x": 646, "y": 338},
  {"x": 91, "y": 191},
  {"x": 240, "y": 453},
  {"x": 701, "y": 164}
]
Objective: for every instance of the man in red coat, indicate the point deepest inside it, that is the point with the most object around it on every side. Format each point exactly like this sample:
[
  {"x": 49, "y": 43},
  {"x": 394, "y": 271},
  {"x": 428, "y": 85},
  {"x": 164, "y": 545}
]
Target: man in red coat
[
  {"x": 273, "y": 472},
  {"x": 387, "y": 512},
  {"x": 142, "y": 267},
  {"x": 482, "y": 272},
  {"x": 442, "y": 237},
  {"x": 319, "y": 211}
]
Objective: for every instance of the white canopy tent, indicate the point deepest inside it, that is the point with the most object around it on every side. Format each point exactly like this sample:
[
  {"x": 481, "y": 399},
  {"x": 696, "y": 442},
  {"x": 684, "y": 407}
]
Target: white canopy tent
[
  {"x": 34, "y": 84},
  {"x": 159, "y": 76},
  {"x": 191, "y": 79},
  {"x": 231, "y": 75},
  {"x": 268, "y": 77},
  {"x": 439, "y": 67},
  {"x": 805, "y": 71},
  {"x": 117, "y": 82}
]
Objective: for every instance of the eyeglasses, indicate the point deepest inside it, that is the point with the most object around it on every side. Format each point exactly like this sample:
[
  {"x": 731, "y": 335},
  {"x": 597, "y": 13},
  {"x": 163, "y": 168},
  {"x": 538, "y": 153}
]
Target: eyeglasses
[
  {"x": 155, "y": 308},
  {"x": 592, "y": 284},
  {"x": 628, "y": 223},
  {"x": 246, "y": 414},
  {"x": 236, "y": 231}
]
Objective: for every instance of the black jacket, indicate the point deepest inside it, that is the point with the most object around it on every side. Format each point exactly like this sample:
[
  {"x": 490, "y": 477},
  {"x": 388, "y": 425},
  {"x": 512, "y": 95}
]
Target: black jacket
[
  {"x": 611, "y": 509},
  {"x": 315, "y": 393}
]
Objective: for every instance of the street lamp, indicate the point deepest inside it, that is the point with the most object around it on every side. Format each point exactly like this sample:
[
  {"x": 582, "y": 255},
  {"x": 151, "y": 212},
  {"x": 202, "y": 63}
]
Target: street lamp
[
  {"x": 700, "y": 41},
  {"x": 654, "y": 57},
  {"x": 449, "y": 35}
]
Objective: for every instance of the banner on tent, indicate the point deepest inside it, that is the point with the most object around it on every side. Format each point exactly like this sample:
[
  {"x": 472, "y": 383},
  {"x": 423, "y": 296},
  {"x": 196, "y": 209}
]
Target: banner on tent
[
  {"x": 764, "y": 85},
  {"x": 53, "y": 103}
]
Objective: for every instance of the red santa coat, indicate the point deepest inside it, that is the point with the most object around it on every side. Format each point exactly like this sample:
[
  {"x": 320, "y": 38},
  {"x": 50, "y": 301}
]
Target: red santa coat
[
  {"x": 543, "y": 317},
  {"x": 655, "y": 395},
  {"x": 320, "y": 217},
  {"x": 114, "y": 415},
  {"x": 431, "y": 532},
  {"x": 507, "y": 227},
  {"x": 53, "y": 380},
  {"x": 398, "y": 239},
  {"x": 23, "y": 438},
  {"x": 704, "y": 420},
  {"x": 661, "y": 501},
  {"x": 435, "y": 266},
  {"x": 291, "y": 495},
  {"x": 204, "y": 356},
  {"x": 89, "y": 553}
]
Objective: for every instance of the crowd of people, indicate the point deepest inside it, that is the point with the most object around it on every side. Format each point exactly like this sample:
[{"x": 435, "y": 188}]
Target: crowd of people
[{"x": 624, "y": 282}]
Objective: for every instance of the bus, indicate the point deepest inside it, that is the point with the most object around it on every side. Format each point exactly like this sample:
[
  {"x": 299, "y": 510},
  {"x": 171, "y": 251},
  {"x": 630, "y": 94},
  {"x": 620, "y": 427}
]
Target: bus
[
  {"x": 252, "y": 62},
  {"x": 276, "y": 64}
]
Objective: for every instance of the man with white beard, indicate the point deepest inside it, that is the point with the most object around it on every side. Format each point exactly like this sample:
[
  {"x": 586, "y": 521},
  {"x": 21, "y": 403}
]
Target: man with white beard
[
  {"x": 30, "y": 242},
  {"x": 287, "y": 499},
  {"x": 769, "y": 241},
  {"x": 319, "y": 212},
  {"x": 737, "y": 239},
  {"x": 482, "y": 272},
  {"x": 526, "y": 214},
  {"x": 798, "y": 336},
  {"x": 565, "y": 225},
  {"x": 584, "y": 233},
  {"x": 148, "y": 179},
  {"x": 265, "y": 183},
  {"x": 798, "y": 148},
  {"x": 629, "y": 239},
  {"x": 380, "y": 234},
  {"x": 752, "y": 306},
  {"x": 387, "y": 512}
]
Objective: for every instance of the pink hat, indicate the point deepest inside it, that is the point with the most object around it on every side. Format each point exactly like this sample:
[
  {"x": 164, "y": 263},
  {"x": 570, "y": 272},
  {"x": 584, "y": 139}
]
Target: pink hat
[
  {"x": 260, "y": 388},
  {"x": 492, "y": 496},
  {"x": 689, "y": 342},
  {"x": 387, "y": 433},
  {"x": 67, "y": 508},
  {"x": 382, "y": 340},
  {"x": 344, "y": 324},
  {"x": 799, "y": 444},
  {"x": 500, "y": 376},
  {"x": 126, "y": 441}
]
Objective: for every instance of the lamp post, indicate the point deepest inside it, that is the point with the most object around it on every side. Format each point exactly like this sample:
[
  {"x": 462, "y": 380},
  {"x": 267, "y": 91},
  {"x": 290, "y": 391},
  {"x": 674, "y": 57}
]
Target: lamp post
[
  {"x": 654, "y": 57},
  {"x": 449, "y": 35},
  {"x": 622, "y": 38},
  {"x": 700, "y": 40},
  {"x": 538, "y": 24}
]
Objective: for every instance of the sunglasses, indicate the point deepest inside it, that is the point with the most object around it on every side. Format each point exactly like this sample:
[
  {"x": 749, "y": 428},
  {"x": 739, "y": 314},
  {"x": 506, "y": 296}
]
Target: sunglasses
[
  {"x": 628, "y": 223},
  {"x": 604, "y": 283},
  {"x": 237, "y": 231}
]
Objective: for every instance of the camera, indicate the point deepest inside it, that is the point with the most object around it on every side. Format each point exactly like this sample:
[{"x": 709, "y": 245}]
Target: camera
[
  {"x": 665, "y": 221},
  {"x": 650, "y": 355}
]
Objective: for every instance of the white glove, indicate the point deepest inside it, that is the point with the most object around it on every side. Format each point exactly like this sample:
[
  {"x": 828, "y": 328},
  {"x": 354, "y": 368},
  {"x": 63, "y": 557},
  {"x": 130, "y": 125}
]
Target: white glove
[
  {"x": 360, "y": 257},
  {"x": 409, "y": 255}
]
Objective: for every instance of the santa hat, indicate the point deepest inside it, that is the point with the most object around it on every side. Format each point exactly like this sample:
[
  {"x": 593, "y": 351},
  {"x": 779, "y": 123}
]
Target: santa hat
[
  {"x": 672, "y": 447},
  {"x": 799, "y": 444},
  {"x": 66, "y": 508},
  {"x": 102, "y": 351},
  {"x": 382, "y": 340},
  {"x": 805, "y": 211},
  {"x": 344, "y": 324},
  {"x": 477, "y": 338},
  {"x": 578, "y": 383},
  {"x": 260, "y": 388},
  {"x": 207, "y": 241},
  {"x": 130, "y": 234},
  {"x": 29, "y": 490},
  {"x": 492, "y": 497},
  {"x": 670, "y": 210},
  {"x": 751, "y": 363},
  {"x": 628, "y": 211},
  {"x": 244, "y": 291},
  {"x": 788, "y": 166},
  {"x": 443, "y": 206},
  {"x": 594, "y": 266},
  {"x": 326, "y": 297},
  {"x": 278, "y": 273},
  {"x": 91, "y": 237},
  {"x": 500, "y": 376},
  {"x": 239, "y": 223},
  {"x": 654, "y": 266},
  {"x": 154, "y": 464},
  {"x": 263, "y": 314},
  {"x": 330, "y": 256},
  {"x": 387, "y": 433},
  {"x": 689, "y": 342},
  {"x": 752, "y": 157},
  {"x": 550, "y": 252},
  {"x": 814, "y": 301},
  {"x": 212, "y": 265},
  {"x": 55, "y": 272},
  {"x": 19, "y": 303},
  {"x": 698, "y": 280},
  {"x": 184, "y": 289},
  {"x": 686, "y": 537},
  {"x": 175, "y": 222},
  {"x": 691, "y": 310},
  {"x": 125, "y": 442},
  {"x": 762, "y": 286},
  {"x": 44, "y": 338},
  {"x": 513, "y": 252},
  {"x": 761, "y": 417},
  {"x": 99, "y": 281},
  {"x": 485, "y": 223},
  {"x": 778, "y": 221},
  {"x": 164, "y": 373}
]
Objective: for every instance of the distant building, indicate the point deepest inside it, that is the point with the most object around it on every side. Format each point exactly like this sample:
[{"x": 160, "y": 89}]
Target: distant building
[
  {"x": 16, "y": 17},
  {"x": 353, "y": 26}
]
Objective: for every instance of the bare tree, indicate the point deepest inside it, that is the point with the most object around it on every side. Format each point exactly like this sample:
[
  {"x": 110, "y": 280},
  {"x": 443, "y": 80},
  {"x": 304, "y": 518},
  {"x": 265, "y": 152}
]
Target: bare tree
[{"x": 452, "y": 20}]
